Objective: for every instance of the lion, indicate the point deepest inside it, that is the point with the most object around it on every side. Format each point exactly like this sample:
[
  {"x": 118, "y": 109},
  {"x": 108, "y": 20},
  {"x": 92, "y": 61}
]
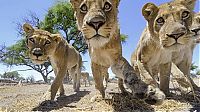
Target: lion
[
  {"x": 167, "y": 33},
  {"x": 86, "y": 78},
  {"x": 195, "y": 28},
  {"x": 178, "y": 75},
  {"x": 43, "y": 46},
  {"x": 97, "y": 20}
]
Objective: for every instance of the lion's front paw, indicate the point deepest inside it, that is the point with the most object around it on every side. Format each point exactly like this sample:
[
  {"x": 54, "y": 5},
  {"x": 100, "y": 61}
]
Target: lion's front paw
[
  {"x": 155, "y": 96},
  {"x": 96, "y": 98},
  {"x": 138, "y": 88}
]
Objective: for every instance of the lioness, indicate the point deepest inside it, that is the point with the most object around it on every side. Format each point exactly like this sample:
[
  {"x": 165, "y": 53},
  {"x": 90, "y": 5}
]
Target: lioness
[
  {"x": 196, "y": 28},
  {"x": 85, "y": 77},
  {"x": 97, "y": 19},
  {"x": 167, "y": 32},
  {"x": 183, "y": 58},
  {"x": 42, "y": 46}
]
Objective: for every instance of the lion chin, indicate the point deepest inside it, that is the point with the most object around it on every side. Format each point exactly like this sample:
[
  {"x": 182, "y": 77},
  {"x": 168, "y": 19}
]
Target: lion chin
[
  {"x": 37, "y": 61},
  {"x": 98, "y": 41}
]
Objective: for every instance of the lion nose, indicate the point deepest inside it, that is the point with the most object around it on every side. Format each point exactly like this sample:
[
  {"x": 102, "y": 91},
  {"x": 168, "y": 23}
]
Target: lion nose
[
  {"x": 37, "y": 52},
  {"x": 96, "y": 22},
  {"x": 195, "y": 30},
  {"x": 177, "y": 34}
]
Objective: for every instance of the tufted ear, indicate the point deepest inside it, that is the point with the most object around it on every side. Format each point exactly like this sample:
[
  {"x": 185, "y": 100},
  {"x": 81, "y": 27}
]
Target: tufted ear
[
  {"x": 118, "y": 1},
  {"x": 56, "y": 37},
  {"x": 75, "y": 3},
  {"x": 150, "y": 11},
  {"x": 28, "y": 29},
  {"x": 190, "y": 4}
]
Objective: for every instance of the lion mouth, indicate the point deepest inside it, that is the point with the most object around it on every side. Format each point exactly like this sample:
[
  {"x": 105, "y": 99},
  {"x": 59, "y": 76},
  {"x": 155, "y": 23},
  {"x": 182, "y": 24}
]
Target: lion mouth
[{"x": 97, "y": 36}]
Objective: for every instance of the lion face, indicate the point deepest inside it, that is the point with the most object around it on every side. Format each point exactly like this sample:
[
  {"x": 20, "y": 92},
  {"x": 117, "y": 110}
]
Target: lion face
[
  {"x": 97, "y": 19},
  {"x": 40, "y": 44},
  {"x": 196, "y": 27},
  {"x": 170, "y": 22}
]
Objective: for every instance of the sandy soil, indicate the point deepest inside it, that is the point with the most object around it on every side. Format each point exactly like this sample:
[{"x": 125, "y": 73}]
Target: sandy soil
[{"x": 27, "y": 97}]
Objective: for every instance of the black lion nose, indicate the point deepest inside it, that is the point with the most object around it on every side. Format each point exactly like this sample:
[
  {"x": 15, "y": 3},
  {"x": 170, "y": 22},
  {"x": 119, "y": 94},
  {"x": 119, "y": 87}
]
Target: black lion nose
[
  {"x": 37, "y": 52},
  {"x": 96, "y": 22},
  {"x": 195, "y": 30},
  {"x": 176, "y": 35}
]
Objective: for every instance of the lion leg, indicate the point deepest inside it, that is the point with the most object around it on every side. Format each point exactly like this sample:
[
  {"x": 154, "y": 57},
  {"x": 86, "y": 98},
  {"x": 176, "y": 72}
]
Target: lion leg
[
  {"x": 140, "y": 89},
  {"x": 97, "y": 71},
  {"x": 106, "y": 77},
  {"x": 179, "y": 78},
  {"x": 125, "y": 71},
  {"x": 85, "y": 81},
  {"x": 74, "y": 78},
  {"x": 165, "y": 70},
  {"x": 185, "y": 68},
  {"x": 61, "y": 90},
  {"x": 78, "y": 77},
  {"x": 88, "y": 78},
  {"x": 55, "y": 85},
  {"x": 121, "y": 86}
]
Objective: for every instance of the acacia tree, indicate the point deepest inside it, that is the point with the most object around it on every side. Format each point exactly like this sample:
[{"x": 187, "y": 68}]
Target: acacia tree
[
  {"x": 16, "y": 55},
  {"x": 60, "y": 18}
]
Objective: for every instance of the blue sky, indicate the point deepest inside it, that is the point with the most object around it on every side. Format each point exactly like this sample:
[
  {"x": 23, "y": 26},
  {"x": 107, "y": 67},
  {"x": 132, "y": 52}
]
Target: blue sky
[{"x": 131, "y": 23}]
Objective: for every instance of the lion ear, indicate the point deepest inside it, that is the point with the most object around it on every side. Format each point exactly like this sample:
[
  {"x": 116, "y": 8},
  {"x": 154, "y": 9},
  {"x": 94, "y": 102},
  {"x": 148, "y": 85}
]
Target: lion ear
[
  {"x": 118, "y": 1},
  {"x": 56, "y": 37},
  {"x": 28, "y": 29},
  {"x": 190, "y": 4},
  {"x": 75, "y": 3},
  {"x": 149, "y": 11}
]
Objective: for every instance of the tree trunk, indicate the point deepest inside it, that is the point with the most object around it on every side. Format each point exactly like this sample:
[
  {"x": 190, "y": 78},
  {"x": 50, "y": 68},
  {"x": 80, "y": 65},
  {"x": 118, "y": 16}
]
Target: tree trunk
[{"x": 44, "y": 78}]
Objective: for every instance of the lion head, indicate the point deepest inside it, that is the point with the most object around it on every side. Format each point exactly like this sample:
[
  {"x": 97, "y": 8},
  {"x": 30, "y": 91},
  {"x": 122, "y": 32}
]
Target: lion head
[
  {"x": 169, "y": 23},
  {"x": 40, "y": 43},
  {"x": 196, "y": 27},
  {"x": 97, "y": 19}
]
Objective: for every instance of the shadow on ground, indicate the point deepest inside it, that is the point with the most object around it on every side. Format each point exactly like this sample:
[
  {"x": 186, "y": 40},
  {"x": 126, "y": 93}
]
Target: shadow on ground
[{"x": 61, "y": 102}]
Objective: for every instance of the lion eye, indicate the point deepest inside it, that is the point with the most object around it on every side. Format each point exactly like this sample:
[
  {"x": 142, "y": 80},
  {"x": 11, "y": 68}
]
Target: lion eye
[
  {"x": 185, "y": 14},
  {"x": 84, "y": 8},
  {"x": 47, "y": 42},
  {"x": 32, "y": 40},
  {"x": 160, "y": 20},
  {"x": 107, "y": 6}
]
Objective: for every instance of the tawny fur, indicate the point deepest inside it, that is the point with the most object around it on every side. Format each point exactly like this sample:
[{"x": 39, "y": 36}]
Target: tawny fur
[
  {"x": 42, "y": 46},
  {"x": 86, "y": 78},
  {"x": 157, "y": 47},
  {"x": 97, "y": 19}
]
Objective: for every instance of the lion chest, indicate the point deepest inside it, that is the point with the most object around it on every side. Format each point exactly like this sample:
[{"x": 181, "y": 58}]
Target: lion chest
[{"x": 102, "y": 57}]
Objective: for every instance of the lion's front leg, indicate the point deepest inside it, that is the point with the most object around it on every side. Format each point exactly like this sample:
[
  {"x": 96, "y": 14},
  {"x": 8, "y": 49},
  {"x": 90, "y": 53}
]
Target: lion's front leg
[
  {"x": 125, "y": 71},
  {"x": 165, "y": 70},
  {"x": 98, "y": 72},
  {"x": 121, "y": 86},
  {"x": 61, "y": 88},
  {"x": 185, "y": 68},
  {"x": 51, "y": 93},
  {"x": 140, "y": 89}
]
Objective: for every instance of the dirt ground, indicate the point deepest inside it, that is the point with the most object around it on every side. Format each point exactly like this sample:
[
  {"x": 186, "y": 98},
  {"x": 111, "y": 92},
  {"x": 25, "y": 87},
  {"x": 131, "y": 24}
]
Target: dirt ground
[{"x": 27, "y": 97}]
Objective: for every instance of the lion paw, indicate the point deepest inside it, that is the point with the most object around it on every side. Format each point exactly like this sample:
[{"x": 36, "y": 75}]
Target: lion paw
[
  {"x": 97, "y": 98},
  {"x": 154, "y": 96}
]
